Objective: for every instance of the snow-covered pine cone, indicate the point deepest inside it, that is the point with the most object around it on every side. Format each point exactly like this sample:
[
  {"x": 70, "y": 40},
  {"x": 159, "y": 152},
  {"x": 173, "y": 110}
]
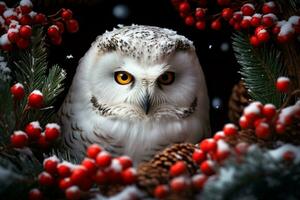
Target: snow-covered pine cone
[{"x": 238, "y": 100}]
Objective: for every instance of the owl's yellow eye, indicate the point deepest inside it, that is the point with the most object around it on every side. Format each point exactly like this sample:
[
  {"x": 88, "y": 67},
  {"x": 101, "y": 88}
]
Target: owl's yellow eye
[
  {"x": 123, "y": 78},
  {"x": 167, "y": 78}
]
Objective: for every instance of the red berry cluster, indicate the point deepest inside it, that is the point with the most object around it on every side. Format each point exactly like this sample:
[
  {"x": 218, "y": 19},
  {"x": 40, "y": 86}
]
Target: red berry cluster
[
  {"x": 17, "y": 23},
  {"x": 34, "y": 136},
  {"x": 98, "y": 168},
  {"x": 262, "y": 22},
  {"x": 34, "y": 100}
]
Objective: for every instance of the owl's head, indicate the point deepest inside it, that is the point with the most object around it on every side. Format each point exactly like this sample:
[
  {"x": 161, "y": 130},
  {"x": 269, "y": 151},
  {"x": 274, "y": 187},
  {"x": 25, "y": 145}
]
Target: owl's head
[{"x": 142, "y": 73}]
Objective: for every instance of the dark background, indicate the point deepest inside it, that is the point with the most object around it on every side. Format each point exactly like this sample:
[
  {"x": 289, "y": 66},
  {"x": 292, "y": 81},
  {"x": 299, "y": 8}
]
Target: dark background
[{"x": 96, "y": 16}]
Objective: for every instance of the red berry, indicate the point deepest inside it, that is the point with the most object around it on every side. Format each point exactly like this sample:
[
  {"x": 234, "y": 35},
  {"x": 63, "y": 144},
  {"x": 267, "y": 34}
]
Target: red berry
[
  {"x": 25, "y": 20},
  {"x": 33, "y": 130},
  {"x": 289, "y": 156},
  {"x": 269, "y": 7},
  {"x": 269, "y": 111},
  {"x": 230, "y": 129},
  {"x": 12, "y": 36},
  {"x": 36, "y": 99},
  {"x": 241, "y": 148},
  {"x": 25, "y": 9},
  {"x": 53, "y": 32},
  {"x": 237, "y": 26},
  {"x": 45, "y": 179},
  {"x": 66, "y": 14},
  {"x": 254, "y": 41},
  {"x": 280, "y": 128},
  {"x": 19, "y": 139},
  {"x": 259, "y": 120},
  {"x": 207, "y": 167},
  {"x": 245, "y": 23},
  {"x": 72, "y": 25},
  {"x": 198, "y": 181},
  {"x": 161, "y": 191},
  {"x": 237, "y": 16},
  {"x": 129, "y": 176},
  {"x": 78, "y": 174},
  {"x": 248, "y": 9},
  {"x": 64, "y": 169},
  {"x": 178, "y": 184},
  {"x": 114, "y": 172},
  {"x": 39, "y": 19},
  {"x": 189, "y": 20},
  {"x": 90, "y": 165},
  {"x": 268, "y": 20},
  {"x": 255, "y": 20},
  {"x": 125, "y": 161},
  {"x": 52, "y": 132},
  {"x": 72, "y": 193},
  {"x": 22, "y": 43},
  {"x": 86, "y": 184},
  {"x": 178, "y": 168},
  {"x": 263, "y": 35},
  {"x": 223, "y": 2},
  {"x": 184, "y": 7},
  {"x": 43, "y": 143},
  {"x": 262, "y": 130},
  {"x": 283, "y": 84},
  {"x": 200, "y": 13},
  {"x": 208, "y": 145},
  {"x": 103, "y": 159},
  {"x": 200, "y": 25},
  {"x": 50, "y": 165},
  {"x": 216, "y": 25},
  {"x": 6, "y": 47},
  {"x": 219, "y": 135},
  {"x": 284, "y": 38},
  {"x": 244, "y": 122},
  {"x": 65, "y": 183},
  {"x": 227, "y": 13},
  {"x": 17, "y": 90},
  {"x": 35, "y": 194},
  {"x": 198, "y": 156},
  {"x": 60, "y": 26},
  {"x": 100, "y": 177},
  {"x": 2, "y": 7},
  {"x": 93, "y": 150},
  {"x": 25, "y": 31}
]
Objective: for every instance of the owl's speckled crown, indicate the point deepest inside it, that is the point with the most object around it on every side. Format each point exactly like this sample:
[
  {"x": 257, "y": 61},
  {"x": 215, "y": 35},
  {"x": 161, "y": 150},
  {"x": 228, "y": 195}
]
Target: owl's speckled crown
[{"x": 146, "y": 43}]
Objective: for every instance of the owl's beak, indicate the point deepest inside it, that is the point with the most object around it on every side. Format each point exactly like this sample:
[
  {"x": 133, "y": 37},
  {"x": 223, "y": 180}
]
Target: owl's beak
[{"x": 146, "y": 103}]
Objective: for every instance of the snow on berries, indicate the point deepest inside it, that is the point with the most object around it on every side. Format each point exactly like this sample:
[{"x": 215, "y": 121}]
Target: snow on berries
[
  {"x": 17, "y": 90},
  {"x": 19, "y": 139},
  {"x": 17, "y": 24},
  {"x": 36, "y": 99},
  {"x": 73, "y": 179},
  {"x": 283, "y": 84}
]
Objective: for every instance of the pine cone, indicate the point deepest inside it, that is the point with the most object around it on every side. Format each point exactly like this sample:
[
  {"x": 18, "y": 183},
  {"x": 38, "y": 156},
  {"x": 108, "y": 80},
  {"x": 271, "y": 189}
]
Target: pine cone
[
  {"x": 156, "y": 171},
  {"x": 238, "y": 100}
]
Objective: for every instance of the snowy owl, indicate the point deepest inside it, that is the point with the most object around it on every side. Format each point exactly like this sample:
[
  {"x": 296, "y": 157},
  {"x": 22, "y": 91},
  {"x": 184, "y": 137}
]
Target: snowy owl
[{"x": 137, "y": 90}]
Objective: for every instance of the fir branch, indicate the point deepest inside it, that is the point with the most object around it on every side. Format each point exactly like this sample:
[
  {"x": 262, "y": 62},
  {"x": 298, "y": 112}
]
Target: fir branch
[{"x": 260, "y": 69}]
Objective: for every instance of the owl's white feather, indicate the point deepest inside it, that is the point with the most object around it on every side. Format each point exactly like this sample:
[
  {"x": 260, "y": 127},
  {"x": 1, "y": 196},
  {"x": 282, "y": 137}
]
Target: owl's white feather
[{"x": 99, "y": 110}]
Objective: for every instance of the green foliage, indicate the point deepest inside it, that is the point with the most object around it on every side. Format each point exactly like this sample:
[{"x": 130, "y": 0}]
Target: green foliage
[
  {"x": 259, "y": 176},
  {"x": 260, "y": 69}
]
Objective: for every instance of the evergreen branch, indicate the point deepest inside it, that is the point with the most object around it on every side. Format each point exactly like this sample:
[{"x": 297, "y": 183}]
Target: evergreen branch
[{"x": 260, "y": 69}]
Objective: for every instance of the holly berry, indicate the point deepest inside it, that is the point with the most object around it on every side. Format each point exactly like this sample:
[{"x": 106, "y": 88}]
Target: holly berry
[
  {"x": 198, "y": 156},
  {"x": 161, "y": 191},
  {"x": 269, "y": 111},
  {"x": 86, "y": 184},
  {"x": 72, "y": 25},
  {"x": 17, "y": 90},
  {"x": 65, "y": 183},
  {"x": 100, "y": 177},
  {"x": 39, "y": 18},
  {"x": 12, "y": 35},
  {"x": 263, "y": 35},
  {"x": 189, "y": 20},
  {"x": 198, "y": 181},
  {"x": 227, "y": 13},
  {"x": 237, "y": 16},
  {"x": 103, "y": 159},
  {"x": 129, "y": 176},
  {"x": 289, "y": 156},
  {"x": 262, "y": 130},
  {"x": 248, "y": 9},
  {"x": 208, "y": 145},
  {"x": 35, "y": 194},
  {"x": 19, "y": 139},
  {"x": 26, "y": 9},
  {"x": 200, "y": 13},
  {"x": 45, "y": 179},
  {"x": 73, "y": 193},
  {"x": 178, "y": 184},
  {"x": 60, "y": 26},
  {"x": 50, "y": 165},
  {"x": 42, "y": 142},
  {"x": 280, "y": 128},
  {"x": 78, "y": 174},
  {"x": 230, "y": 130},
  {"x": 201, "y": 25},
  {"x": 64, "y": 169},
  {"x": 125, "y": 162},
  {"x": 36, "y": 99},
  {"x": 283, "y": 84},
  {"x": 90, "y": 165},
  {"x": 52, "y": 131},
  {"x": 244, "y": 122},
  {"x": 269, "y": 7},
  {"x": 178, "y": 168},
  {"x": 33, "y": 130},
  {"x": 56, "y": 41},
  {"x": 22, "y": 43},
  {"x": 245, "y": 23},
  {"x": 93, "y": 150},
  {"x": 207, "y": 167},
  {"x": 268, "y": 20},
  {"x": 66, "y": 14},
  {"x": 53, "y": 32},
  {"x": 255, "y": 20},
  {"x": 184, "y": 7},
  {"x": 25, "y": 20},
  {"x": 223, "y": 2},
  {"x": 216, "y": 25},
  {"x": 219, "y": 135},
  {"x": 25, "y": 31}
]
